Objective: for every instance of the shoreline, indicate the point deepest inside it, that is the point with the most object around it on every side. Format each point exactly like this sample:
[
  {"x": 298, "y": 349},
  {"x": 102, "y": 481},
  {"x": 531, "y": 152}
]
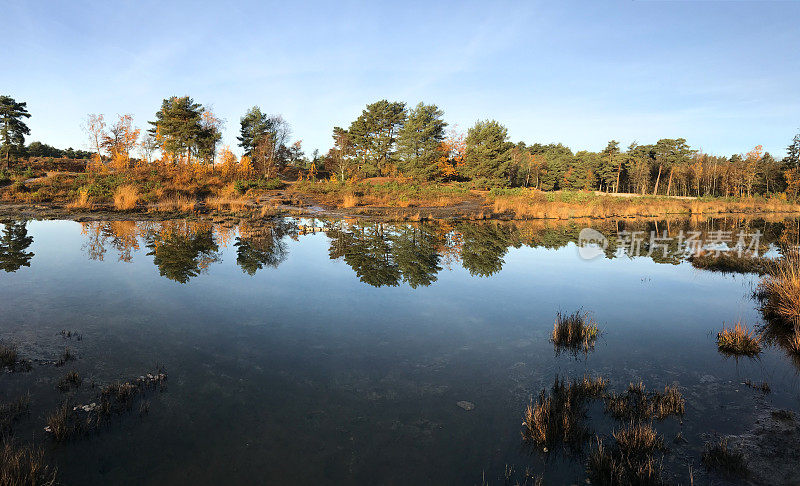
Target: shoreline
[{"x": 469, "y": 211}]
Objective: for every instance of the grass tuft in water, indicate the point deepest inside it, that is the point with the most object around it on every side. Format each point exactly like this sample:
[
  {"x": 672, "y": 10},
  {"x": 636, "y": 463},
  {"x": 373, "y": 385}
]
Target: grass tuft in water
[
  {"x": 575, "y": 332},
  {"x": 609, "y": 466},
  {"x": 738, "y": 341},
  {"x": 559, "y": 418},
  {"x": 70, "y": 380},
  {"x": 721, "y": 458},
  {"x": 21, "y": 466},
  {"x": 638, "y": 405},
  {"x": 730, "y": 262},
  {"x": 10, "y": 359},
  {"x": 10, "y": 412},
  {"x": 66, "y": 356}
]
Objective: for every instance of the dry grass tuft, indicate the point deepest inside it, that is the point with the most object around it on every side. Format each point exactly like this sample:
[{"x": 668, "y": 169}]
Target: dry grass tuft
[
  {"x": 609, "y": 466},
  {"x": 738, "y": 341},
  {"x": 720, "y": 458},
  {"x": 781, "y": 289},
  {"x": 126, "y": 197},
  {"x": 560, "y": 416},
  {"x": 637, "y": 405},
  {"x": 21, "y": 466},
  {"x": 574, "y": 332},
  {"x": 174, "y": 203},
  {"x": 350, "y": 201},
  {"x": 9, "y": 358},
  {"x": 82, "y": 201},
  {"x": 11, "y": 411},
  {"x": 638, "y": 439}
]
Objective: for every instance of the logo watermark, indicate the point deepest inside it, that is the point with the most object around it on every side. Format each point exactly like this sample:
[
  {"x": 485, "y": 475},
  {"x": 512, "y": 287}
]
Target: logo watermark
[{"x": 592, "y": 243}]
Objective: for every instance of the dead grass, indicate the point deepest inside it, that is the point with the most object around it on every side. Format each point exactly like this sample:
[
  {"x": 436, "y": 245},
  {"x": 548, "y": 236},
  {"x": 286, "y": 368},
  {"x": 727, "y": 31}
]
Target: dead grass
[
  {"x": 613, "y": 466},
  {"x": 721, "y": 458},
  {"x": 22, "y": 466},
  {"x": 82, "y": 201},
  {"x": 781, "y": 287},
  {"x": 126, "y": 197},
  {"x": 350, "y": 201},
  {"x": 738, "y": 341},
  {"x": 10, "y": 359},
  {"x": 70, "y": 380},
  {"x": 559, "y": 418},
  {"x": 638, "y": 439},
  {"x": 637, "y": 405},
  {"x": 231, "y": 203},
  {"x": 730, "y": 262},
  {"x": 11, "y": 411},
  {"x": 174, "y": 203},
  {"x": 574, "y": 332}
]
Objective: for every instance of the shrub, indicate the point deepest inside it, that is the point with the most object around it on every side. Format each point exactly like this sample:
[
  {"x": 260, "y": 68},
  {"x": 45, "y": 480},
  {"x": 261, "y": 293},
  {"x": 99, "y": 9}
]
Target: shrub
[{"x": 126, "y": 197}]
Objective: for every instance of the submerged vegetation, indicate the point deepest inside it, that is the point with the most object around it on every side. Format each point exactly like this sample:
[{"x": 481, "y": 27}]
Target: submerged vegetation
[
  {"x": 69, "y": 421},
  {"x": 738, "y": 341}
]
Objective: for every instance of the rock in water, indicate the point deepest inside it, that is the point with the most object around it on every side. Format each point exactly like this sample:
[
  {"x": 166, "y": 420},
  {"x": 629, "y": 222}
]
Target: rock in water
[{"x": 466, "y": 405}]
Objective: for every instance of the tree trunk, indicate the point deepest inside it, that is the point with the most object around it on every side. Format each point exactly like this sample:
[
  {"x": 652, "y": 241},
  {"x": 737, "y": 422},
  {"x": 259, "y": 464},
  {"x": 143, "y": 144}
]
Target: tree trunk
[
  {"x": 658, "y": 179},
  {"x": 669, "y": 184},
  {"x": 619, "y": 171}
]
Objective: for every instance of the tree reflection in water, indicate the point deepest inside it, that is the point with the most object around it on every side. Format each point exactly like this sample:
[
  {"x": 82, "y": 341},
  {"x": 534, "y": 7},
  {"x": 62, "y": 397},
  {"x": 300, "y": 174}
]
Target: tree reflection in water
[
  {"x": 14, "y": 242},
  {"x": 380, "y": 254}
]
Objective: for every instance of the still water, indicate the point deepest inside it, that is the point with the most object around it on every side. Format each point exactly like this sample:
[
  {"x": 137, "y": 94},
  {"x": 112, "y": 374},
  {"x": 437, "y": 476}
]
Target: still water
[{"x": 336, "y": 352}]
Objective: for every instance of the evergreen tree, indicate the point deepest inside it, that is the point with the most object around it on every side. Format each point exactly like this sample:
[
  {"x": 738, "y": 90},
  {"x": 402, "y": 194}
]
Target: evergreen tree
[
  {"x": 12, "y": 127},
  {"x": 792, "y": 159},
  {"x": 419, "y": 141},
  {"x": 178, "y": 129},
  {"x": 373, "y": 135},
  {"x": 488, "y": 151}
]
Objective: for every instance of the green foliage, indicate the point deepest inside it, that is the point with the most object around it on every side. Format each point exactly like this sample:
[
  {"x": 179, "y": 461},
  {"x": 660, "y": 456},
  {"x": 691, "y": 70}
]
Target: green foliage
[
  {"x": 12, "y": 127},
  {"x": 373, "y": 135},
  {"x": 14, "y": 242},
  {"x": 487, "y": 153},
  {"x": 243, "y": 186},
  {"x": 419, "y": 141},
  {"x": 179, "y": 129}
]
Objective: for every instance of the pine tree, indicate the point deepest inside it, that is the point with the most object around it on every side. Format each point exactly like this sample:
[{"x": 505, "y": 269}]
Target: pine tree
[
  {"x": 12, "y": 128},
  {"x": 419, "y": 141},
  {"x": 488, "y": 151}
]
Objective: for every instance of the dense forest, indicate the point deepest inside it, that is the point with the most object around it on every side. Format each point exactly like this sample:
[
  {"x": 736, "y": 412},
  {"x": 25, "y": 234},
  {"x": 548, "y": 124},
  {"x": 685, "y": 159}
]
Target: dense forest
[{"x": 391, "y": 139}]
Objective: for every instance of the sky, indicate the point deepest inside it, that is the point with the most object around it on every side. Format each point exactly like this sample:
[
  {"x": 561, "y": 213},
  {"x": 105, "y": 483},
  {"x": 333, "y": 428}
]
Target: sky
[{"x": 723, "y": 75}]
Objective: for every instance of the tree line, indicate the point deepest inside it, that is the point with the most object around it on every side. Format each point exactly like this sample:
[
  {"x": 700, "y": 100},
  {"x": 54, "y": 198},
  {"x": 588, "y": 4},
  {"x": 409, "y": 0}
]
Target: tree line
[{"x": 391, "y": 139}]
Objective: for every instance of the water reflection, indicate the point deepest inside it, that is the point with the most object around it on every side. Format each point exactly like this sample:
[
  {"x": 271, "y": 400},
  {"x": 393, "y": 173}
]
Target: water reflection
[
  {"x": 384, "y": 254},
  {"x": 14, "y": 243}
]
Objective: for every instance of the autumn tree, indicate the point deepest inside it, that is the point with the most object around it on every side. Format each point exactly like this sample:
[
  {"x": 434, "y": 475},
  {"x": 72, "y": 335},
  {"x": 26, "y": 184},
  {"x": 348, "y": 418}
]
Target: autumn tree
[
  {"x": 95, "y": 128},
  {"x": 12, "y": 127},
  {"x": 419, "y": 141},
  {"x": 148, "y": 146},
  {"x": 487, "y": 151},
  {"x": 451, "y": 155},
  {"x": 120, "y": 139},
  {"x": 340, "y": 160}
]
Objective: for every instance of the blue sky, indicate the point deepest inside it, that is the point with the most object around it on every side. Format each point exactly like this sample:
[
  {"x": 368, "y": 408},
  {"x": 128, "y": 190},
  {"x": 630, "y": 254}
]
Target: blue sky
[{"x": 723, "y": 75}]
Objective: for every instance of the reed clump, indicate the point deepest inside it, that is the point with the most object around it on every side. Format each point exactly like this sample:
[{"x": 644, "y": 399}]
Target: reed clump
[
  {"x": 638, "y": 405},
  {"x": 730, "y": 262},
  {"x": 126, "y": 197},
  {"x": 11, "y": 411},
  {"x": 81, "y": 201},
  {"x": 22, "y": 466},
  {"x": 70, "y": 380},
  {"x": 780, "y": 293},
  {"x": 576, "y": 333},
  {"x": 738, "y": 341},
  {"x": 721, "y": 458},
  {"x": 560, "y": 416},
  {"x": 623, "y": 464},
  {"x": 11, "y": 360}
]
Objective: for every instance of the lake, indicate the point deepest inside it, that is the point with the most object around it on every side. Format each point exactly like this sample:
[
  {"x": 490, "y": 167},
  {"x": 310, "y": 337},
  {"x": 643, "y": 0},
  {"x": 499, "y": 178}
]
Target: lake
[{"x": 343, "y": 351}]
